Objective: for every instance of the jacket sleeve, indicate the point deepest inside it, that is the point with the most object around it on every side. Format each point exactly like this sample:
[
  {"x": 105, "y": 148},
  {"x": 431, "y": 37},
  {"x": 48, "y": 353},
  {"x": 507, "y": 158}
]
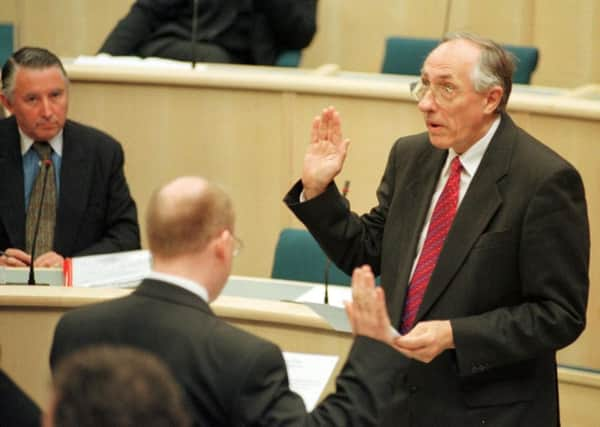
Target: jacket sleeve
[
  {"x": 362, "y": 388},
  {"x": 143, "y": 19},
  {"x": 120, "y": 229},
  {"x": 294, "y": 22}
]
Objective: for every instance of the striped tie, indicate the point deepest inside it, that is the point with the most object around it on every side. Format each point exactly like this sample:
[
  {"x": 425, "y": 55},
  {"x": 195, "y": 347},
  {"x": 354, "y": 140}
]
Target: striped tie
[
  {"x": 47, "y": 220},
  {"x": 441, "y": 220}
]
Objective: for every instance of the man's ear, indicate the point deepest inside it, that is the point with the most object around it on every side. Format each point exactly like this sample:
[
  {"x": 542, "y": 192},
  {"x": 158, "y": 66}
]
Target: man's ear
[
  {"x": 493, "y": 99},
  {"x": 5, "y": 102},
  {"x": 221, "y": 244}
]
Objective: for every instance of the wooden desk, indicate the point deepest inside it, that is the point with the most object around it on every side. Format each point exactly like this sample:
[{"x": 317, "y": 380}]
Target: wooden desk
[
  {"x": 247, "y": 128},
  {"x": 28, "y": 316}
]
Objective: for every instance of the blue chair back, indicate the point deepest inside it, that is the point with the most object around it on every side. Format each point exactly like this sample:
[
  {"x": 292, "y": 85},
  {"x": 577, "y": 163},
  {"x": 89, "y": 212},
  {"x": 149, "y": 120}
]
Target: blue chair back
[
  {"x": 405, "y": 55},
  {"x": 298, "y": 256},
  {"x": 289, "y": 58},
  {"x": 6, "y": 42}
]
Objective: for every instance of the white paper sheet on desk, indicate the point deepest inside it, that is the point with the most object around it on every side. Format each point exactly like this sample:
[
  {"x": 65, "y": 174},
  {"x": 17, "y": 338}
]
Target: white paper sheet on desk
[
  {"x": 309, "y": 374},
  {"x": 135, "y": 61},
  {"x": 336, "y": 295},
  {"x": 118, "y": 269}
]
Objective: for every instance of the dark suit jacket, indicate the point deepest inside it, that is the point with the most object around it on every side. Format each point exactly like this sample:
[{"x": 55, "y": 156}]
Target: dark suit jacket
[
  {"x": 230, "y": 377},
  {"x": 253, "y": 31},
  {"x": 95, "y": 212},
  {"x": 512, "y": 276},
  {"x": 16, "y": 408}
]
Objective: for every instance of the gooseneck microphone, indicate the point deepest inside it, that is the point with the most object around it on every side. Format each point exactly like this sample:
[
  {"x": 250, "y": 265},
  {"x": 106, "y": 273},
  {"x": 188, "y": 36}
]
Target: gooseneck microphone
[
  {"x": 328, "y": 261},
  {"x": 194, "y": 29},
  {"x": 47, "y": 163}
]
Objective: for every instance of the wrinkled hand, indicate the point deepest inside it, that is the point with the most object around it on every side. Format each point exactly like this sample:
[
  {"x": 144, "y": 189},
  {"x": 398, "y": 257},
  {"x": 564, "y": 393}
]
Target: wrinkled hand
[
  {"x": 426, "y": 340},
  {"x": 367, "y": 311},
  {"x": 49, "y": 259},
  {"x": 14, "y": 258},
  {"x": 325, "y": 154}
]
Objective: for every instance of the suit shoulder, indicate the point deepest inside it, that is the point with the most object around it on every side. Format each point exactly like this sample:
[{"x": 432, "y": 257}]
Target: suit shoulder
[
  {"x": 89, "y": 135},
  {"x": 232, "y": 340}
]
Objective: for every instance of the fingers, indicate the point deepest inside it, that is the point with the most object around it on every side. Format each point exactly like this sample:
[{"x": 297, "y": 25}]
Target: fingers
[
  {"x": 327, "y": 127},
  {"x": 15, "y": 258},
  {"x": 49, "y": 259}
]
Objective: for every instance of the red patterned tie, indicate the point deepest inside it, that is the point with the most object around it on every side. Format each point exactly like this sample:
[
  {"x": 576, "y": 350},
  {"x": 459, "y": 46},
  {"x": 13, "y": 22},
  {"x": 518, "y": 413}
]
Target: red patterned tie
[{"x": 441, "y": 220}]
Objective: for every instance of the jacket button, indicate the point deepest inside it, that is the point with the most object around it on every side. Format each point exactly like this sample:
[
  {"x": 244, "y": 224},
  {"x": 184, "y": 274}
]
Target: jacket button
[{"x": 413, "y": 388}]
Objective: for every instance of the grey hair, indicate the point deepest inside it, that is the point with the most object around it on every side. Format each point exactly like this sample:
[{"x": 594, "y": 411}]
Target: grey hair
[
  {"x": 36, "y": 58},
  {"x": 494, "y": 68}
]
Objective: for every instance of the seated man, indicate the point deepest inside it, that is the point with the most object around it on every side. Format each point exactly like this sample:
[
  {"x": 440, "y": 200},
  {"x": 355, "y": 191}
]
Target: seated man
[
  {"x": 86, "y": 207},
  {"x": 114, "y": 386},
  {"x": 231, "y": 31},
  {"x": 230, "y": 377}
]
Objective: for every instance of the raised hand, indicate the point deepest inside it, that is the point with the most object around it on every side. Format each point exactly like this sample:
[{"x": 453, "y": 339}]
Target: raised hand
[
  {"x": 326, "y": 153},
  {"x": 367, "y": 311}
]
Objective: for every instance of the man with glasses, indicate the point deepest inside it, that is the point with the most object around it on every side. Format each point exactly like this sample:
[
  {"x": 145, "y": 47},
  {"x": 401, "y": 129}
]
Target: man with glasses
[
  {"x": 481, "y": 238},
  {"x": 229, "y": 377}
]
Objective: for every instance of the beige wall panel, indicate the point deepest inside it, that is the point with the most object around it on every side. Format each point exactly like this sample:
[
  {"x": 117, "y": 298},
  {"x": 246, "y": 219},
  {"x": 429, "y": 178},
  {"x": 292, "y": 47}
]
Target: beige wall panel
[
  {"x": 8, "y": 11},
  {"x": 235, "y": 138},
  {"x": 68, "y": 27},
  {"x": 508, "y": 21},
  {"x": 567, "y": 35},
  {"x": 352, "y": 34}
]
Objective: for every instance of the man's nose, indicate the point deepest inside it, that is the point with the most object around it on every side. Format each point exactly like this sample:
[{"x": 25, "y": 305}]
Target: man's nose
[
  {"x": 46, "y": 107},
  {"x": 427, "y": 103}
]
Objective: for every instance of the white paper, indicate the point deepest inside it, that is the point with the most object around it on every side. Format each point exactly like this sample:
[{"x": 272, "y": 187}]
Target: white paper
[
  {"x": 135, "y": 61},
  {"x": 336, "y": 295},
  {"x": 309, "y": 374},
  {"x": 116, "y": 269}
]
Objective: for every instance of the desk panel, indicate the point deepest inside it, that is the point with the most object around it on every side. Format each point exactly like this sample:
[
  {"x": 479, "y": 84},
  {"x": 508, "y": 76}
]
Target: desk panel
[{"x": 28, "y": 316}]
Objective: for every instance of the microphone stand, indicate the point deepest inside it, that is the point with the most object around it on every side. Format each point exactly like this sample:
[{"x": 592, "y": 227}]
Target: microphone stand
[
  {"x": 47, "y": 163},
  {"x": 194, "y": 28}
]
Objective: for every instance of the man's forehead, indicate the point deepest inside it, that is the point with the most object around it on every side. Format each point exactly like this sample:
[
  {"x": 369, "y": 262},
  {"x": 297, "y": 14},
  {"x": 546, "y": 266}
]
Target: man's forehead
[
  {"x": 31, "y": 79},
  {"x": 451, "y": 59}
]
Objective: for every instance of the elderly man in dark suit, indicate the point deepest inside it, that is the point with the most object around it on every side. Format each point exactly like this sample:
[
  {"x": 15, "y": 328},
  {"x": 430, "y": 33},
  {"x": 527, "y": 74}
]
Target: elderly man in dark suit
[
  {"x": 86, "y": 207},
  {"x": 481, "y": 238},
  {"x": 229, "y": 377}
]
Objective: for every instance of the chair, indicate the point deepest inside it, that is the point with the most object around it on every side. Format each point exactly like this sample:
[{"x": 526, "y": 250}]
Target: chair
[
  {"x": 289, "y": 58},
  {"x": 405, "y": 55},
  {"x": 298, "y": 256},
  {"x": 6, "y": 41}
]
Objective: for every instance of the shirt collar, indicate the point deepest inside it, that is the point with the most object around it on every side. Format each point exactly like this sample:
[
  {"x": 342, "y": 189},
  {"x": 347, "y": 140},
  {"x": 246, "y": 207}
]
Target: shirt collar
[
  {"x": 189, "y": 285},
  {"x": 471, "y": 158},
  {"x": 56, "y": 143}
]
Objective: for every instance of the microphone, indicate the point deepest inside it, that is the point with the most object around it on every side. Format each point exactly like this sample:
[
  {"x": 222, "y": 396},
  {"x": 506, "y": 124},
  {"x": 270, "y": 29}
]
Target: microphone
[
  {"x": 47, "y": 163},
  {"x": 345, "y": 189},
  {"x": 194, "y": 28}
]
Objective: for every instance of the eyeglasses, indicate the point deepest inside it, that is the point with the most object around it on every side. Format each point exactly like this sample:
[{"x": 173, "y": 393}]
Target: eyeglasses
[
  {"x": 238, "y": 245},
  {"x": 442, "y": 94}
]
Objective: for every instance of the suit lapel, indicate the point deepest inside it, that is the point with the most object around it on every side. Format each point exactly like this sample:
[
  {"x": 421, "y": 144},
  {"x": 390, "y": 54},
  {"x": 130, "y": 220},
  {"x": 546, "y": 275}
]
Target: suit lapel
[
  {"x": 415, "y": 204},
  {"x": 75, "y": 181},
  {"x": 479, "y": 205},
  {"x": 12, "y": 204}
]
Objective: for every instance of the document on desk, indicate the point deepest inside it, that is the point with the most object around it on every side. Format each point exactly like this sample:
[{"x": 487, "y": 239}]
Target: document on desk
[
  {"x": 309, "y": 374},
  {"x": 119, "y": 269},
  {"x": 336, "y": 295}
]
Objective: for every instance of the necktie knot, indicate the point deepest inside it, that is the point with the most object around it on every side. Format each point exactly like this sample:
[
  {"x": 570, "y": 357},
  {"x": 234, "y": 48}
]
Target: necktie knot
[
  {"x": 43, "y": 149},
  {"x": 455, "y": 165}
]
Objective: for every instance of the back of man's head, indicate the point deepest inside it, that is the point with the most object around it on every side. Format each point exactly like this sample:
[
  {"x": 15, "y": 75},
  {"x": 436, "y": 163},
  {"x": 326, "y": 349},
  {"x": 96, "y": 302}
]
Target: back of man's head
[
  {"x": 115, "y": 386},
  {"x": 35, "y": 58},
  {"x": 184, "y": 215}
]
